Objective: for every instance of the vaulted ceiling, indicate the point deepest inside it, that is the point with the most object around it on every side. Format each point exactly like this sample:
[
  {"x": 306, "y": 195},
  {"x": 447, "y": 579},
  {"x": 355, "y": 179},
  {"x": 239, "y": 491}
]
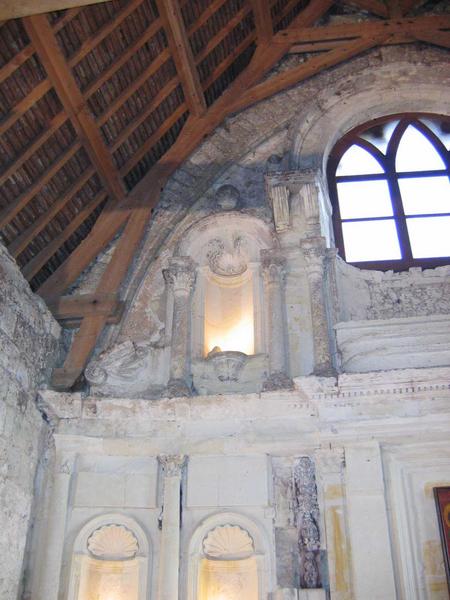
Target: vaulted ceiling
[{"x": 101, "y": 103}]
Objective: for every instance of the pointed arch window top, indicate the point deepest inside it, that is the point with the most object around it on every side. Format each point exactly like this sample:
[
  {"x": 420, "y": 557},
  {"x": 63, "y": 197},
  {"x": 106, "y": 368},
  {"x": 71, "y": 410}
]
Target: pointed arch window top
[
  {"x": 357, "y": 161},
  {"x": 416, "y": 153},
  {"x": 389, "y": 182}
]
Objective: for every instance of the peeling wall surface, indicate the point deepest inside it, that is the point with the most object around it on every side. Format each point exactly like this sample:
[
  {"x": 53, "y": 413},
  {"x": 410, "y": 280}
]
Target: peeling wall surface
[
  {"x": 312, "y": 461},
  {"x": 28, "y": 348}
]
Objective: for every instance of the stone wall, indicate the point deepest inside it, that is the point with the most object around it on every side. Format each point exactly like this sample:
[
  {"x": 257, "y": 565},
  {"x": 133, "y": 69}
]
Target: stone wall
[{"x": 28, "y": 347}]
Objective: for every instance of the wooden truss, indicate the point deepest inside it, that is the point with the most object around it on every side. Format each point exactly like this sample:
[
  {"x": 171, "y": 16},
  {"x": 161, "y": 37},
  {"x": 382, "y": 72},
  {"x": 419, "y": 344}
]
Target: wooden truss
[{"x": 324, "y": 46}]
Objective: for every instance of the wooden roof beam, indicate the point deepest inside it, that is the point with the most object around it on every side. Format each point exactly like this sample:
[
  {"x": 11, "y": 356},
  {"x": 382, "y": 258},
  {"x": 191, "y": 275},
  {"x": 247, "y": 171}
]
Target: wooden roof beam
[
  {"x": 193, "y": 133},
  {"x": 59, "y": 73},
  {"x": 27, "y": 236},
  {"x": 35, "y": 144},
  {"x": 25, "y": 104},
  {"x": 15, "y": 62},
  {"x": 37, "y": 262},
  {"x": 13, "y": 9},
  {"x": 104, "y": 31},
  {"x": 181, "y": 51},
  {"x": 10, "y": 211},
  {"x": 349, "y": 31},
  {"x": 263, "y": 20}
]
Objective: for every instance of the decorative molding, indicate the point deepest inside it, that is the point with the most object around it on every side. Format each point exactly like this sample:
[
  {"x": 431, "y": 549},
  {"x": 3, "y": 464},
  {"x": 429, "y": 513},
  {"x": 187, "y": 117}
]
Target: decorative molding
[
  {"x": 113, "y": 542},
  {"x": 227, "y": 365},
  {"x": 273, "y": 264},
  {"x": 229, "y": 542}
]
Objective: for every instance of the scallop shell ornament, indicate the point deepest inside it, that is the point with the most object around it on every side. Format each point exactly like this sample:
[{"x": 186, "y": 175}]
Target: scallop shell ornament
[
  {"x": 113, "y": 542},
  {"x": 228, "y": 542}
]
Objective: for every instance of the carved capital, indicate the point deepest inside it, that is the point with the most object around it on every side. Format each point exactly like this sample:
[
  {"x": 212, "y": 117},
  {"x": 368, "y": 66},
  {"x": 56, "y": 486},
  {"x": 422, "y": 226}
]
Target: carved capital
[
  {"x": 314, "y": 252},
  {"x": 180, "y": 274},
  {"x": 274, "y": 266},
  {"x": 172, "y": 464}
]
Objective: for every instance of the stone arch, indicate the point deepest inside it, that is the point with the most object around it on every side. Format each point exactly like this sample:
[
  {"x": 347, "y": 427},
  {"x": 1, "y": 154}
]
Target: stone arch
[{"x": 254, "y": 531}]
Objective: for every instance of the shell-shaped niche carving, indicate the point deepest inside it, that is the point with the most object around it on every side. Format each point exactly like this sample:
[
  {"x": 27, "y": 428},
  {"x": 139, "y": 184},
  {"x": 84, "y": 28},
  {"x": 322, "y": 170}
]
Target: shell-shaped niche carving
[
  {"x": 228, "y": 542},
  {"x": 113, "y": 542}
]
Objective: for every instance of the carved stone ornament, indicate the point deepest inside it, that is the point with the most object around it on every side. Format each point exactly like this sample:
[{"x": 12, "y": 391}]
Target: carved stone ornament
[
  {"x": 224, "y": 260},
  {"x": 113, "y": 542},
  {"x": 227, "y": 197},
  {"x": 227, "y": 365},
  {"x": 172, "y": 464},
  {"x": 307, "y": 521},
  {"x": 228, "y": 542},
  {"x": 180, "y": 274},
  {"x": 273, "y": 265}
]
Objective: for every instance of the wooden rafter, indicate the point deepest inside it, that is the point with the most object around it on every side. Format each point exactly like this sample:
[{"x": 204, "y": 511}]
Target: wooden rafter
[
  {"x": 27, "y": 236},
  {"x": 21, "y": 107},
  {"x": 134, "y": 212},
  {"x": 8, "y": 213},
  {"x": 437, "y": 38},
  {"x": 16, "y": 62},
  {"x": 52, "y": 127},
  {"x": 124, "y": 58},
  {"x": 263, "y": 20},
  {"x": 108, "y": 28},
  {"x": 181, "y": 51},
  {"x": 70, "y": 310},
  {"x": 44, "y": 41},
  {"x": 13, "y": 9},
  {"x": 38, "y": 261}
]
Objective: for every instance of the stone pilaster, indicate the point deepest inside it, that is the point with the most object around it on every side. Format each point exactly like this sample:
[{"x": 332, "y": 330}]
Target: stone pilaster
[
  {"x": 310, "y": 191},
  {"x": 180, "y": 276},
  {"x": 279, "y": 197},
  {"x": 273, "y": 265},
  {"x": 52, "y": 550},
  {"x": 315, "y": 254},
  {"x": 169, "y": 552}
]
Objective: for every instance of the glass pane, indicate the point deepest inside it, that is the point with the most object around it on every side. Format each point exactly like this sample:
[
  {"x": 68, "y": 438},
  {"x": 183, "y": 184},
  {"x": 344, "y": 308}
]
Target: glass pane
[
  {"x": 440, "y": 128},
  {"x": 356, "y": 161},
  {"x": 416, "y": 153},
  {"x": 380, "y": 135},
  {"x": 429, "y": 236},
  {"x": 360, "y": 199},
  {"x": 426, "y": 195},
  {"x": 371, "y": 240}
]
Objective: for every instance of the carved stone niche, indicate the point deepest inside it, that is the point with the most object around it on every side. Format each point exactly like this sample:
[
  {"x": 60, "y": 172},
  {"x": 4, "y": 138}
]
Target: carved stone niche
[{"x": 229, "y": 347}]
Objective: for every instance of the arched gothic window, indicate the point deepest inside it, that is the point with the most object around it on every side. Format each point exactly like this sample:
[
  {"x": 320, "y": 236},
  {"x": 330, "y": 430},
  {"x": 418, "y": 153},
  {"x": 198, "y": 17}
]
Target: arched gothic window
[{"x": 390, "y": 190}]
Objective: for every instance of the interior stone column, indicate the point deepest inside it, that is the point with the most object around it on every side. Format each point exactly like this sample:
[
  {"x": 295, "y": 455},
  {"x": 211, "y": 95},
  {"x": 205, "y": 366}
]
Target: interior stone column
[
  {"x": 169, "y": 552},
  {"x": 52, "y": 550},
  {"x": 273, "y": 265},
  {"x": 315, "y": 253},
  {"x": 372, "y": 565},
  {"x": 180, "y": 276}
]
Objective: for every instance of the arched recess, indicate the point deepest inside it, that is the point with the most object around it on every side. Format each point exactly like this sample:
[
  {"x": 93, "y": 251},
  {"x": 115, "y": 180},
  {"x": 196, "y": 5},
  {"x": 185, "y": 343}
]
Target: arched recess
[
  {"x": 254, "y": 553},
  {"x": 110, "y": 560}
]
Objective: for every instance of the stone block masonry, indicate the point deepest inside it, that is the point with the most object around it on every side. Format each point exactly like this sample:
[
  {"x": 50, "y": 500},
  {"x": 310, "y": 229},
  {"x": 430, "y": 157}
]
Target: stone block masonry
[{"x": 28, "y": 348}]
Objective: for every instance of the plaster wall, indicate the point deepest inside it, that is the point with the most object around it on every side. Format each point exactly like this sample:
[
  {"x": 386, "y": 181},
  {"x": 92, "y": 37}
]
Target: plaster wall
[{"x": 28, "y": 348}]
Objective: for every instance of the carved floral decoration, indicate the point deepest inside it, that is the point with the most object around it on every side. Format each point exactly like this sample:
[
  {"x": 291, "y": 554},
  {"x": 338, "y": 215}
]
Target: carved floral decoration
[
  {"x": 227, "y": 259},
  {"x": 228, "y": 542}
]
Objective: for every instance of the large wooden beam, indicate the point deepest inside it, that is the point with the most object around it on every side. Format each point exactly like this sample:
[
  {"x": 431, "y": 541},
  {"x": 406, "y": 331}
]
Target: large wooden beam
[
  {"x": 263, "y": 20},
  {"x": 43, "y": 39},
  {"x": 70, "y": 310},
  {"x": 193, "y": 133},
  {"x": 13, "y": 9},
  {"x": 170, "y": 13}
]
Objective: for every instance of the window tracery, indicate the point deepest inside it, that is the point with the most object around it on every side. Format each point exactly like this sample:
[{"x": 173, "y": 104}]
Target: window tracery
[{"x": 390, "y": 190}]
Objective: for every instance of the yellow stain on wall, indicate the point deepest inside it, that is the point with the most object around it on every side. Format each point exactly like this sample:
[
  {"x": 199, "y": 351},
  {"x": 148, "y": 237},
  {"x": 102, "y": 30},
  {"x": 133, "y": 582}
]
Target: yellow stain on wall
[
  {"x": 333, "y": 492},
  {"x": 340, "y": 551}
]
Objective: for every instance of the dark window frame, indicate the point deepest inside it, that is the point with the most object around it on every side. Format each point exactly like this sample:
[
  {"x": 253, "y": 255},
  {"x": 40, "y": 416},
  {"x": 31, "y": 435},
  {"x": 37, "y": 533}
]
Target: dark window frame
[{"x": 390, "y": 175}]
